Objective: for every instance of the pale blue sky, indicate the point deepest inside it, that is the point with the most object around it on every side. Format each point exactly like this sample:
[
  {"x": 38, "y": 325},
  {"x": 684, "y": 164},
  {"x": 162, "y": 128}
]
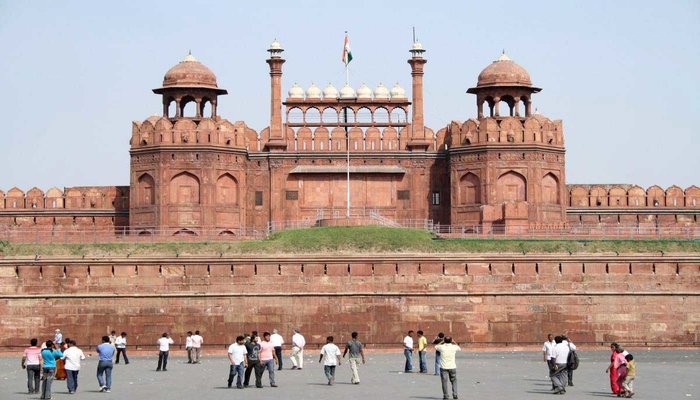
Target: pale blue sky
[{"x": 623, "y": 75}]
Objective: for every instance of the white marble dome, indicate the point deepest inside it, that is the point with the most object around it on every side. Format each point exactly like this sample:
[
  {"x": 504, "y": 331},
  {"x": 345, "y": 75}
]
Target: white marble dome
[
  {"x": 346, "y": 92},
  {"x": 330, "y": 92},
  {"x": 397, "y": 92},
  {"x": 364, "y": 92},
  {"x": 313, "y": 92},
  {"x": 381, "y": 92},
  {"x": 296, "y": 92}
]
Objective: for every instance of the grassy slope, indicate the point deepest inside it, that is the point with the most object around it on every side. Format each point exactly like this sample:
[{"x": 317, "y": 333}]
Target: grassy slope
[{"x": 351, "y": 240}]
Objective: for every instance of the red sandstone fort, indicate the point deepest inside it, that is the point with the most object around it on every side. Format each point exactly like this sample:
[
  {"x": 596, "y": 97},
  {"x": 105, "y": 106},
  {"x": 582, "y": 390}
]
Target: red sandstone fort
[{"x": 193, "y": 171}]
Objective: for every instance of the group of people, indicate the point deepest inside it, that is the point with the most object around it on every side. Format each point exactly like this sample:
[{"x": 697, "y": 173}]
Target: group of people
[
  {"x": 622, "y": 370},
  {"x": 445, "y": 358},
  {"x": 42, "y": 364},
  {"x": 556, "y": 351}
]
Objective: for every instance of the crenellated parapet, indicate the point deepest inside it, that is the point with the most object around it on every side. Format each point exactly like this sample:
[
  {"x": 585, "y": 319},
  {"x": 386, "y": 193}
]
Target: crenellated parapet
[
  {"x": 71, "y": 198},
  {"x": 632, "y": 196},
  {"x": 535, "y": 129},
  {"x": 162, "y": 131}
]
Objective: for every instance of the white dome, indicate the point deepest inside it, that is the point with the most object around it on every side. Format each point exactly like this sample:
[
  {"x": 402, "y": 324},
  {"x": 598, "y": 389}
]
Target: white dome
[
  {"x": 417, "y": 46},
  {"x": 275, "y": 45},
  {"x": 330, "y": 92},
  {"x": 381, "y": 92},
  {"x": 397, "y": 92},
  {"x": 364, "y": 92},
  {"x": 313, "y": 92},
  {"x": 346, "y": 92},
  {"x": 296, "y": 92}
]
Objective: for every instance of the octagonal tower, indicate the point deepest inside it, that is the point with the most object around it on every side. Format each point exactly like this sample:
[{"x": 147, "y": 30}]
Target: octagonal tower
[{"x": 507, "y": 166}]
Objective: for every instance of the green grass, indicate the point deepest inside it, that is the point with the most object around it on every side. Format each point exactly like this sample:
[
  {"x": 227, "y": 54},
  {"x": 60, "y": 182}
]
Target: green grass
[{"x": 354, "y": 240}]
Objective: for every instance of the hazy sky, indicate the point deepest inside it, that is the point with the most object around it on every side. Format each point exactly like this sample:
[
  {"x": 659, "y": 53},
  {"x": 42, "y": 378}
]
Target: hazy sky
[{"x": 623, "y": 75}]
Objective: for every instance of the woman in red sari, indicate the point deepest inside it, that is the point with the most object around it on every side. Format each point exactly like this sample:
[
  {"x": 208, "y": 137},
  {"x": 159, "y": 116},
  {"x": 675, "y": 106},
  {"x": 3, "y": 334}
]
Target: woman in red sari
[{"x": 612, "y": 368}]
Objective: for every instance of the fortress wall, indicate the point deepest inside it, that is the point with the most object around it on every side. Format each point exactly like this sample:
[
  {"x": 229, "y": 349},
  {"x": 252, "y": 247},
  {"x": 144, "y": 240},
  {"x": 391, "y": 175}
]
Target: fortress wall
[{"x": 484, "y": 299}]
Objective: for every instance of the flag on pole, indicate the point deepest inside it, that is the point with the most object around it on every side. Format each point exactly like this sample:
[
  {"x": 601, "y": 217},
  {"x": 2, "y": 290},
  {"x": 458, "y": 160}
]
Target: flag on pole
[{"x": 347, "y": 53}]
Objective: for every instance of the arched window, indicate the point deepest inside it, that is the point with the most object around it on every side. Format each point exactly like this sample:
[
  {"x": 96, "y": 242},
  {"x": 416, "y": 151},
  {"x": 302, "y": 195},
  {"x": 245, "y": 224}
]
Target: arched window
[
  {"x": 206, "y": 111},
  {"x": 295, "y": 116},
  {"x": 313, "y": 116},
  {"x": 330, "y": 117},
  {"x": 550, "y": 189},
  {"x": 381, "y": 116},
  {"x": 146, "y": 190},
  {"x": 511, "y": 186},
  {"x": 398, "y": 116},
  {"x": 347, "y": 115},
  {"x": 469, "y": 189},
  {"x": 171, "y": 108},
  {"x": 188, "y": 107},
  {"x": 364, "y": 116},
  {"x": 227, "y": 190},
  {"x": 184, "y": 189}
]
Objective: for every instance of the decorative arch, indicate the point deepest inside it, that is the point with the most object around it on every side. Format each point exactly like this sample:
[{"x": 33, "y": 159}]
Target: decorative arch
[
  {"x": 145, "y": 192},
  {"x": 398, "y": 116},
  {"x": 312, "y": 116},
  {"x": 599, "y": 197},
  {"x": 578, "y": 197},
  {"x": 184, "y": 189},
  {"x": 617, "y": 197},
  {"x": 330, "y": 116},
  {"x": 295, "y": 116},
  {"x": 381, "y": 116},
  {"x": 390, "y": 139},
  {"x": 511, "y": 187},
  {"x": 364, "y": 116},
  {"x": 188, "y": 107},
  {"x": 636, "y": 197},
  {"x": 54, "y": 198},
  {"x": 692, "y": 197},
  {"x": 656, "y": 197},
  {"x": 469, "y": 189},
  {"x": 550, "y": 189},
  {"x": 227, "y": 190},
  {"x": 674, "y": 197}
]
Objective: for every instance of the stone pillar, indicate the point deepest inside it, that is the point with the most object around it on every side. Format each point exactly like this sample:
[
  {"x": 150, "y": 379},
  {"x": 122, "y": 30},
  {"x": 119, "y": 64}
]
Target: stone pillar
[
  {"x": 277, "y": 140},
  {"x": 497, "y": 106},
  {"x": 418, "y": 140}
]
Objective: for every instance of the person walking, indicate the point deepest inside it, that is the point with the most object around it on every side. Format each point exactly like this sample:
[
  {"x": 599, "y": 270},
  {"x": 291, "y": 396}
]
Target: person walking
[
  {"x": 408, "y": 351},
  {"x": 253, "y": 360},
  {"x": 49, "y": 355},
  {"x": 615, "y": 363},
  {"x": 197, "y": 341},
  {"x": 277, "y": 341},
  {"x": 113, "y": 338},
  {"x": 58, "y": 338},
  {"x": 163, "y": 350},
  {"x": 237, "y": 356},
  {"x": 569, "y": 371},
  {"x": 104, "y": 365},
  {"x": 268, "y": 359},
  {"x": 31, "y": 361},
  {"x": 547, "y": 348},
  {"x": 298, "y": 343},
  {"x": 120, "y": 343},
  {"x": 439, "y": 339},
  {"x": 72, "y": 358},
  {"x": 448, "y": 366},
  {"x": 628, "y": 383},
  {"x": 559, "y": 376},
  {"x": 357, "y": 354},
  {"x": 188, "y": 347},
  {"x": 422, "y": 345},
  {"x": 330, "y": 355}
]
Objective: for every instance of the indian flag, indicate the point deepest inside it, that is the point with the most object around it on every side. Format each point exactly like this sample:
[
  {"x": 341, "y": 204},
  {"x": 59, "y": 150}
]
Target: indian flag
[{"x": 347, "y": 53}]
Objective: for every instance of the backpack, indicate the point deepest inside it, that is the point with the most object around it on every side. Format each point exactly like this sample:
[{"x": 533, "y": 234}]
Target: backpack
[{"x": 572, "y": 360}]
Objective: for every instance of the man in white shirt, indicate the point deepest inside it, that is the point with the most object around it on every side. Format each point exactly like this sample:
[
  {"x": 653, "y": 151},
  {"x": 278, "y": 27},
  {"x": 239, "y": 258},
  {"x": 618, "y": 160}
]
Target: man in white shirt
[
  {"x": 298, "y": 343},
  {"x": 277, "y": 340},
  {"x": 163, "y": 350},
  {"x": 547, "y": 348},
  {"x": 561, "y": 356},
  {"x": 237, "y": 356},
  {"x": 448, "y": 365},
  {"x": 569, "y": 372},
  {"x": 72, "y": 357},
  {"x": 120, "y": 344},
  {"x": 188, "y": 347},
  {"x": 197, "y": 341},
  {"x": 408, "y": 351},
  {"x": 330, "y": 355}
]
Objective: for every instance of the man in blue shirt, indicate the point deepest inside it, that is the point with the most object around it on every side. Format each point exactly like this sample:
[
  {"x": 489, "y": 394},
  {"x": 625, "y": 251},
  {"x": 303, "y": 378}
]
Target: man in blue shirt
[
  {"x": 50, "y": 354},
  {"x": 104, "y": 366}
]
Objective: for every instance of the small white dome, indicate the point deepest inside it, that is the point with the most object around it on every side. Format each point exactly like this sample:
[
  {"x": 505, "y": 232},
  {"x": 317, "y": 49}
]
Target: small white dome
[
  {"x": 275, "y": 45},
  {"x": 381, "y": 92},
  {"x": 397, "y": 92},
  {"x": 296, "y": 92},
  {"x": 313, "y": 92},
  {"x": 346, "y": 92},
  {"x": 417, "y": 46},
  {"x": 364, "y": 92},
  {"x": 330, "y": 92}
]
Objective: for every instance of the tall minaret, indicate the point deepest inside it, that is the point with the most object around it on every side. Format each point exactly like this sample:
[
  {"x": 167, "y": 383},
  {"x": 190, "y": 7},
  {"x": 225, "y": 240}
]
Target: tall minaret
[
  {"x": 418, "y": 140},
  {"x": 277, "y": 139}
]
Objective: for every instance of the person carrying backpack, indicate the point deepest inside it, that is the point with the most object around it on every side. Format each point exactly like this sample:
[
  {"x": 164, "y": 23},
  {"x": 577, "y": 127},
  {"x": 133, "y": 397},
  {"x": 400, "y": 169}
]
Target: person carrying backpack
[{"x": 572, "y": 361}]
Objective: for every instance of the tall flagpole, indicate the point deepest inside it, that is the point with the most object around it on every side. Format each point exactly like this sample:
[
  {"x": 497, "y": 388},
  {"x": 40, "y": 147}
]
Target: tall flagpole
[{"x": 347, "y": 135}]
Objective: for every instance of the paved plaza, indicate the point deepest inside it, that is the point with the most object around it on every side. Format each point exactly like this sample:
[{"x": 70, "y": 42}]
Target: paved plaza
[{"x": 662, "y": 374}]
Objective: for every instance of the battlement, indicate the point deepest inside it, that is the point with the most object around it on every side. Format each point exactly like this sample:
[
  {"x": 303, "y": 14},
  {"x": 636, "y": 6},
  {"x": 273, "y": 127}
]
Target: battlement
[
  {"x": 632, "y": 196},
  {"x": 71, "y": 198},
  {"x": 535, "y": 129}
]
